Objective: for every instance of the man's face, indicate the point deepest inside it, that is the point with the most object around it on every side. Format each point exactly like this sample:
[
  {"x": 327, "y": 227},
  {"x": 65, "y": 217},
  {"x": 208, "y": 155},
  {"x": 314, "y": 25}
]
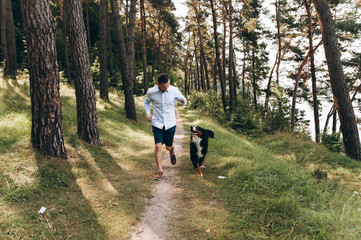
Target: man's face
[{"x": 164, "y": 86}]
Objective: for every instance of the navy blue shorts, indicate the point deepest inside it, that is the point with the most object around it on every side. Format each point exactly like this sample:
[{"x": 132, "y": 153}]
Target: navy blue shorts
[{"x": 164, "y": 136}]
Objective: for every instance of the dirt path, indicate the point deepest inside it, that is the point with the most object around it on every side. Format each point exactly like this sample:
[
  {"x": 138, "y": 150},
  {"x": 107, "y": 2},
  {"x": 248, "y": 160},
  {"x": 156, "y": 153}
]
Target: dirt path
[{"x": 153, "y": 224}]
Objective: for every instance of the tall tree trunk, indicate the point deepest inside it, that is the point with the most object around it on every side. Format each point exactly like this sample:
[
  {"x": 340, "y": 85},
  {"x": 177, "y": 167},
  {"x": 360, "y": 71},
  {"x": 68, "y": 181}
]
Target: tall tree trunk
[
  {"x": 201, "y": 70},
  {"x": 230, "y": 54},
  {"x": 334, "y": 121},
  {"x": 191, "y": 78},
  {"x": 313, "y": 73},
  {"x": 126, "y": 75},
  {"x": 186, "y": 82},
  {"x": 215, "y": 75},
  {"x": 203, "y": 60},
  {"x": 10, "y": 32},
  {"x": 109, "y": 47},
  {"x": 293, "y": 109},
  {"x": 131, "y": 40},
  {"x": 254, "y": 77},
  {"x": 186, "y": 72},
  {"x": 46, "y": 130},
  {"x": 197, "y": 67},
  {"x": 340, "y": 91},
  {"x": 329, "y": 115},
  {"x": 4, "y": 46},
  {"x": 8, "y": 39},
  {"x": 84, "y": 89},
  {"x": 126, "y": 16},
  {"x": 143, "y": 42},
  {"x": 154, "y": 56},
  {"x": 234, "y": 76},
  {"x": 268, "y": 90},
  {"x": 277, "y": 4},
  {"x": 218, "y": 60},
  {"x": 244, "y": 71},
  {"x": 65, "y": 45},
  {"x": 104, "y": 91},
  {"x": 224, "y": 42},
  {"x": 166, "y": 51},
  {"x": 87, "y": 22}
]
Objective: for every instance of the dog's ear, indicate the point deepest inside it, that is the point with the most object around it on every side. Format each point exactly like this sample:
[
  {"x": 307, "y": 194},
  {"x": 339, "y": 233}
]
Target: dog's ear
[{"x": 210, "y": 133}]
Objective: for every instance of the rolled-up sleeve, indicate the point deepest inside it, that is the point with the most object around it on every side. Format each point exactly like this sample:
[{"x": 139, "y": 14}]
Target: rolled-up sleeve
[{"x": 179, "y": 96}]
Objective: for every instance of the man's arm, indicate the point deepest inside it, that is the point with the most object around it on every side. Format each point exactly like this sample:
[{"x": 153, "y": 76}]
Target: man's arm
[
  {"x": 147, "y": 108},
  {"x": 179, "y": 96}
]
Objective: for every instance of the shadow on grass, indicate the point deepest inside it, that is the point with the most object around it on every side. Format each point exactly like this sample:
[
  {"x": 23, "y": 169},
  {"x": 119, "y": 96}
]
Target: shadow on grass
[
  {"x": 129, "y": 186},
  {"x": 69, "y": 213},
  {"x": 15, "y": 101}
]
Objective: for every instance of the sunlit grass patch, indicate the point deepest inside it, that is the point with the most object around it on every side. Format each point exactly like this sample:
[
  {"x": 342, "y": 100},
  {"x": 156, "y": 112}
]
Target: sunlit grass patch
[
  {"x": 97, "y": 193},
  {"x": 270, "y": 190}
]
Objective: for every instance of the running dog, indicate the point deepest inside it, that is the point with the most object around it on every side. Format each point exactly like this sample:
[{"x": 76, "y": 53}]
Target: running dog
[{"x": 199, "y": 146}]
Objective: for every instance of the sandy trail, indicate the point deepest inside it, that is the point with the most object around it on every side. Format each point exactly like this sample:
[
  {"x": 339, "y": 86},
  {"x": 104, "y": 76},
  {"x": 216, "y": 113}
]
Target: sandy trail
[{"x": 159, "y": 207}]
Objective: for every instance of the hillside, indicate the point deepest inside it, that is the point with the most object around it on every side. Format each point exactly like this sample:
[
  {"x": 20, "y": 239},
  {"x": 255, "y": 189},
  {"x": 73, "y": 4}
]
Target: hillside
[{"x": 271, "y": 189}]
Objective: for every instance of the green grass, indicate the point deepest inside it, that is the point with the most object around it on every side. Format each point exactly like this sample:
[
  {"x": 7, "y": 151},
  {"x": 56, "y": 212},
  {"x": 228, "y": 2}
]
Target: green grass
[
  {"x": 98, "y": 193},
  {"x": 269, "y": 191}
]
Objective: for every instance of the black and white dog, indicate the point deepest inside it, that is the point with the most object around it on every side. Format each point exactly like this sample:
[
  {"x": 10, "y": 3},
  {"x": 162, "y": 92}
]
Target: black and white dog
[{"x": 199, "y": 146}]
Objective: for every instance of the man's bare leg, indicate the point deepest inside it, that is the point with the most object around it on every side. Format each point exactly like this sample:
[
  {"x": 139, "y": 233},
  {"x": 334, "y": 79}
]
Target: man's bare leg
[
  {"x": 173, "y": 159},
  {"x": 170, "y": 149},
  {"x": 158, "y": 156}
]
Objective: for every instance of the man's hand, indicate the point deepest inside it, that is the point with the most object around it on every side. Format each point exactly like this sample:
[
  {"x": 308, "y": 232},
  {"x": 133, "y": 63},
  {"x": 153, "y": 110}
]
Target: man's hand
[
  {"x": 182, "y": 100},
  {"x": 149, "y": 117}
]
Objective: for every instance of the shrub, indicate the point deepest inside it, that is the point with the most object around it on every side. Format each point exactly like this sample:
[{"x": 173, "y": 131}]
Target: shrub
[
  {"x": 278, "y": 117},
  {"x": 332, "y": 141},
  {"x": 209, "y": 103},
  {"x": 243, "y": 117}
]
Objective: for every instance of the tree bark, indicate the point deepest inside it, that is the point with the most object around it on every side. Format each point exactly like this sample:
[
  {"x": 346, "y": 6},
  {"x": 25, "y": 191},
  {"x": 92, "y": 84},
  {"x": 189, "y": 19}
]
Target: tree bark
[
  {"x": 104, "y": 91},
  {"x": 4, "y": 46},
  {"x": 46, "y": 129},
  {"x": 143, "y": 43},
  {"x": 293, "y": 109},
  {"x": 254, "y": 78},
  {"x": 85, "y": 94},
  {"x": 277, "y": 4},
  {"x": 244, "y": 71},
  {"x": 8, "y": 39},
  {"x": 338, "y": 83},
  {"x": 268, "y": 90},
  {"x": 126, "y": 75},
  {"x": 230, "y": 56},
  {"x": 131, "y": 40},
  {"x": 65, "y": 45},
  {"x": 234, "y": 76},
  {"x": 87, "y": 22},
  {"x": 109, "y": 47},
  {"x": 313, "y": 74},
  {"x": 201, "y": 46},
  {"x": 197, "y": 80},
  {"x": 224, "y": 42},
  {"x": 186, "y": 72},
  {"x": 218, "y": 60}
]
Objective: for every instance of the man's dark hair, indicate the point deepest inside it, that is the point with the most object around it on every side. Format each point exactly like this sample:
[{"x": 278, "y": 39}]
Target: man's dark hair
[{"x": 163, "y": 78}]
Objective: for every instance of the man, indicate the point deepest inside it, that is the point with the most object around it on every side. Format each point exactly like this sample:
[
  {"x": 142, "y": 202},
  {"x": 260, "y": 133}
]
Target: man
[{"x": 163, "y": 119}]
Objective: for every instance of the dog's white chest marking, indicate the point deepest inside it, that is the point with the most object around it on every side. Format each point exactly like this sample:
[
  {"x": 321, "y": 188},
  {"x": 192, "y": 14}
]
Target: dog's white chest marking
[{"x": 197, "y": 140}]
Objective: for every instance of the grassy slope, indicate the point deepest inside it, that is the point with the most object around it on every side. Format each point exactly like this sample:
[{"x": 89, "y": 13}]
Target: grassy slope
[
  {"x": 97, "y": 194},
  {"x": 269, "y": 192}
]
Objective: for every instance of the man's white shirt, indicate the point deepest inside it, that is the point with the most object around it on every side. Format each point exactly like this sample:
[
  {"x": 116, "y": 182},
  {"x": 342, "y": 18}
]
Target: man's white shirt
[{"x": 163, "y": 106}]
